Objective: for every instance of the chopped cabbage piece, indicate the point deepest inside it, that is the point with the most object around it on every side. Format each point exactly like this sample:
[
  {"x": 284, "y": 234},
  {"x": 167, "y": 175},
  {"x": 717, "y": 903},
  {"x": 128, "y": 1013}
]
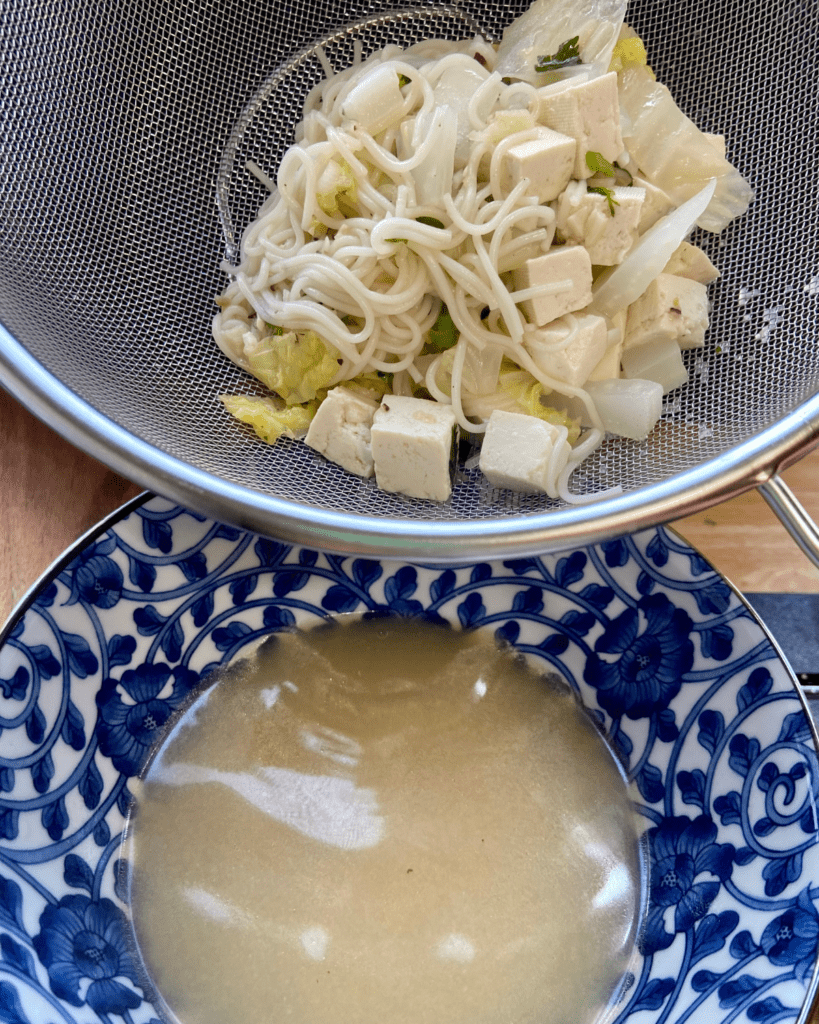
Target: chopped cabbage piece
[
  {"x": 549, "y": 23},
  {"x": 268, "y": 418},
  {"x": 629, "y": 51},
  {"x": 443, "y": 334},
  {"x": 503, "y": 123},
  {"x": 336, "y": 185},
  {"x": 528, "y": 393},
  {"x": 296, "y": 365},
  {"x": 618, "y": 288},
  {"x": 433, "y": 174},
  {"x": 373, "y": 383},
  {"x": 672, "y": 151}
]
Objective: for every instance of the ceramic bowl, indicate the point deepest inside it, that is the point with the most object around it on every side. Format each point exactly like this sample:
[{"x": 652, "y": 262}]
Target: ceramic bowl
[{"x": 692, "y": 692}]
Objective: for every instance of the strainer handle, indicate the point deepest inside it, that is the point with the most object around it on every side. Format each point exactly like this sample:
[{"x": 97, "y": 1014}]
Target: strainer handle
[{"x": 793, "y": 515}]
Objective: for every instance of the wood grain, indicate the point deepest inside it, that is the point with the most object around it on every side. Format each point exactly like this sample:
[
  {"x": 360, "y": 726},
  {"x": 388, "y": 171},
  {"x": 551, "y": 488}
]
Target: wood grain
[
  {"x": 52, "y": 493},
  {"x": 748, "y": 544}
]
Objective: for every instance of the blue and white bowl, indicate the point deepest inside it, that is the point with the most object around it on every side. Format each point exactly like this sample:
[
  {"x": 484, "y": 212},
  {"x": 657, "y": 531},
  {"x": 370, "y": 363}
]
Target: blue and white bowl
[{"x": 690, "y": 689}]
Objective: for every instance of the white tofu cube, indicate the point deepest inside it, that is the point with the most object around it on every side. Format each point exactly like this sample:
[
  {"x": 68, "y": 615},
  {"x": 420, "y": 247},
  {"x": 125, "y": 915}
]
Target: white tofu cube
[
  {"x": 689, "y": 260},
  {"x": 656, "y": 204},
  {"x": 608, "y": 368},
  {"x": 411, "y": 442},
  {"x": 546, "y": 161},
  {"x": 628, "y": 408},
  {"x": 671, "y": 307},
  {"x": 340, "y": 430},
  {"x": 376, "y": 101},
  {"x": 553, "y": 284},
  {"x": 523, "y": 453},
  {"x": 607, "y": 230},
  {"x": 660, "y": 361},
  {"x": 544, "y": 92},
  {"x": 568, "y": 349},
  {"x": 589, "y": 112}
]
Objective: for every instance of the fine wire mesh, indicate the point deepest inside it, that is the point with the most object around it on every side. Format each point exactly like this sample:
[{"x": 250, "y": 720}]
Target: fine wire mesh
[{"x": 126, "y": 129}]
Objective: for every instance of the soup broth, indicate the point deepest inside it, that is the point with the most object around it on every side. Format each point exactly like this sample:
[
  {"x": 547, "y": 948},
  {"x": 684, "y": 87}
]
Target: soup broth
[{"x": 385, "y": 822}]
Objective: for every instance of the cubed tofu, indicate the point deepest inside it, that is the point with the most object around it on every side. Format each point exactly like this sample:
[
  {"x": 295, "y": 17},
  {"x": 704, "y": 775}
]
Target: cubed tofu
[
  {"x": 689, "y": 260},
  {"x": 411, "y": 442},
  {"x": 376, "y": 101},
  {"x": 660, "y": 361},
  {"x": 589, "y": 112},
  {"x": 547, "y": 161},
  {"x": 606, "y": 230},
  {"x": 608, "y": 366},
  {"x": 586, "y": 340},
  {"x": 523, "y": 453},
  {"x": 656, "y": 204},
  {"x": 628, "y": 408},
  {"x": 671, "y": 307},
  {"x": 558, "y": 282},
  {"x": 340, "y": 430}
]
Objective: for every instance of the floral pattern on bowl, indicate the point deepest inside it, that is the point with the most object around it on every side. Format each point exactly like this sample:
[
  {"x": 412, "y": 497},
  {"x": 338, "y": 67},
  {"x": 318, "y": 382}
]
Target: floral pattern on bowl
[{"x": 688, "y": 686}]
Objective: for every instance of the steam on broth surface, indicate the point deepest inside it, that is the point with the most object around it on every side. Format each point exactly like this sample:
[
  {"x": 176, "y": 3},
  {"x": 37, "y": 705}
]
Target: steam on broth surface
[{"x": 386, "y": 822}]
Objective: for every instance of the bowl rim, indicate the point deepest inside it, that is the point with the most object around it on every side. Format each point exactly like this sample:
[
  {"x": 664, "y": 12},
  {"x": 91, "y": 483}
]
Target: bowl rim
[{"x": 517, "y": 572}]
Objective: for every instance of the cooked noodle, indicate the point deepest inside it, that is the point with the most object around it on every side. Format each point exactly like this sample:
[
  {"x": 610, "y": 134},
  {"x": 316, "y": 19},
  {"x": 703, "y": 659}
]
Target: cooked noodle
[{"x": 360, "y": 243}]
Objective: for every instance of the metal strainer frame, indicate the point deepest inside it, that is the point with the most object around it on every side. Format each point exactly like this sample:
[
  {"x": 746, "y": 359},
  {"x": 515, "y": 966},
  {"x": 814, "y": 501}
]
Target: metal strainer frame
[{"x": 31, "y": 347}]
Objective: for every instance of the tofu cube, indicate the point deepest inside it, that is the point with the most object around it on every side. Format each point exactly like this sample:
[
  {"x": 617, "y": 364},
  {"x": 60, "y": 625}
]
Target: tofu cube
[
  {"x": 628, "y": 408},
  {"x": 556, "y": 283},
  {"x": 589, "y": 112},
  {"x": 523, "y": 453},
  {"x": 656, "y": 204},
  {"x": 411, "y": 442},
  {"x": 376, "y": 101},
  {"x": 660, "y": 361},
  {"x": 568, "y": 349},
  {"x": 607, "y": 231},
  {"x": 547, "y": 161},
  {"x": 690, "y": 261},
  {"x": 340, "y": 430},
  {"x": 671, "y": 307},
  {"x": 608, "y": 368}
]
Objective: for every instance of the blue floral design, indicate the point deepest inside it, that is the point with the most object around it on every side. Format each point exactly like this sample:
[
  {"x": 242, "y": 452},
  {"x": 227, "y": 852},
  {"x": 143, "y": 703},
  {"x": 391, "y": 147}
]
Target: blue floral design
[
  {"x": 127, "y": 731},
  {"x": 83, "y": 939},
  {"x": 648, "y": 672},
  {"x": 682, "y": 850},
  {"x": 791, "y": 939},
  {"x": 96, "y": 578},
  {"x": 701, "y": 711}
]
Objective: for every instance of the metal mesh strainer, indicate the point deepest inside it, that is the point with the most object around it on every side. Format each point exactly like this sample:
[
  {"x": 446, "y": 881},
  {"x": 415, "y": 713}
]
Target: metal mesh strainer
[{"x": 126, "y": 128}]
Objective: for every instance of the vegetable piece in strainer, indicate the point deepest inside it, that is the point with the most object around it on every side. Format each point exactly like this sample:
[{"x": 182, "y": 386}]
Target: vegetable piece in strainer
[{"x": 470, "y": 225}]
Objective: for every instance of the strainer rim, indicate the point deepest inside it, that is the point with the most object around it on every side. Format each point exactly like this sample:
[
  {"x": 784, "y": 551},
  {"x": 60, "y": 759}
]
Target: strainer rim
[{"x": 740, "y": 468}]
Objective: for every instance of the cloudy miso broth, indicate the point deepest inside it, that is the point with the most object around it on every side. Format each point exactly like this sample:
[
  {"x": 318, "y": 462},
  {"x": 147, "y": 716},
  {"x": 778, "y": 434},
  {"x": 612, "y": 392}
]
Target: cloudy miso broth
[{"x": 386, "y": 822}]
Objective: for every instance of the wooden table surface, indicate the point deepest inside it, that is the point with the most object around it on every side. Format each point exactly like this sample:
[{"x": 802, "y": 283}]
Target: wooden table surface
[{"x": 52, "y": 493}]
